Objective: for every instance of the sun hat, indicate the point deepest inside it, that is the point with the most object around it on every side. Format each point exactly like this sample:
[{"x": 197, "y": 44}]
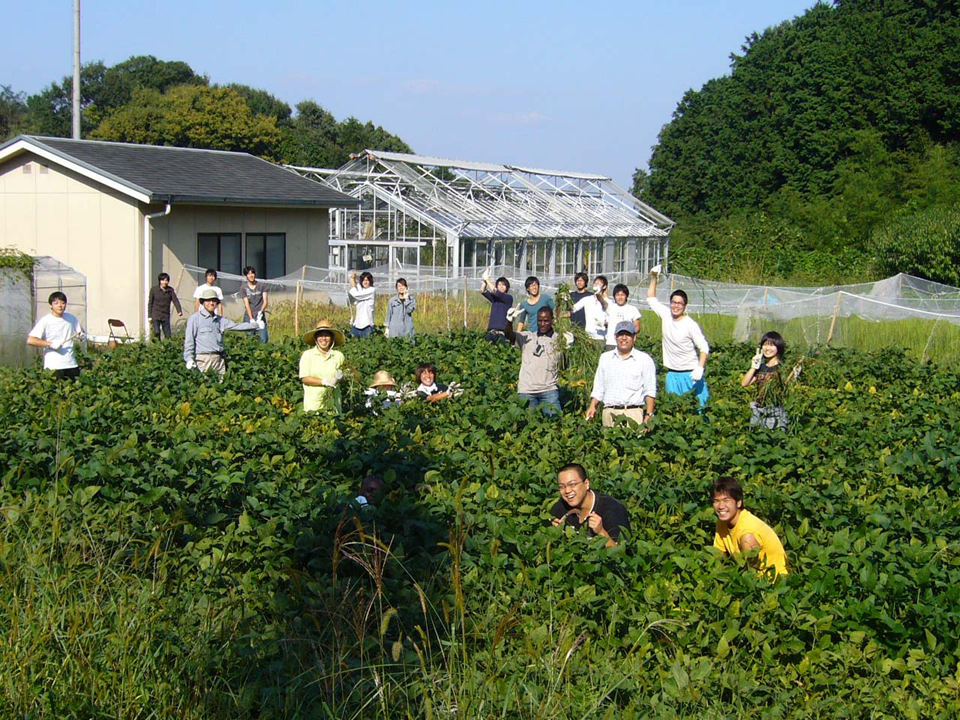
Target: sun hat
[
  {"x": 209, "y": 294},
  {"x": 382, "y": 378},
  {"x": 626, "y": 326},
  {"x": 310, "y": 337}
]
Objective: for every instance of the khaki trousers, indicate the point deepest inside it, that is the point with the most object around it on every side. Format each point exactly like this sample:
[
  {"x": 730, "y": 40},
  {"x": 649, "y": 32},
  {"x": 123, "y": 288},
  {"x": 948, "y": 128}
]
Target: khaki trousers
[
  {"x": 635, "y": 414},
  {"x": 211, "y": 361}
]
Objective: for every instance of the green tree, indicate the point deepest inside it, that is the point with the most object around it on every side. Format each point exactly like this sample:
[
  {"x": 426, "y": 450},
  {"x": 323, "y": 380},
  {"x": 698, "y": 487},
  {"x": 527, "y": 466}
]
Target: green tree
[
  {"x": 926, "y": 244},
  {"x": 13, "y": 112},
  {"x": 263, "y": 103}
]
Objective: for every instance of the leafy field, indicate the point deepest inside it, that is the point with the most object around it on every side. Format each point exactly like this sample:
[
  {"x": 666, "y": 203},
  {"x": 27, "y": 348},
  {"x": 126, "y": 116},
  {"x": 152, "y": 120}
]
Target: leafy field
[{"x": 175, "y": 548}]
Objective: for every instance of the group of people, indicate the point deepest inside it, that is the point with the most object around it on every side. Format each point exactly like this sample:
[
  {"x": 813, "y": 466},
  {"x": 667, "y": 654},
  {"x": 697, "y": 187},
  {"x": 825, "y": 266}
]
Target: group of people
[{"x": 737, "y": 529}]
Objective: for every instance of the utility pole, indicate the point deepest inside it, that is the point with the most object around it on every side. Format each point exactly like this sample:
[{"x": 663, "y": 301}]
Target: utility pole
[{"x": 76, "y": 69}]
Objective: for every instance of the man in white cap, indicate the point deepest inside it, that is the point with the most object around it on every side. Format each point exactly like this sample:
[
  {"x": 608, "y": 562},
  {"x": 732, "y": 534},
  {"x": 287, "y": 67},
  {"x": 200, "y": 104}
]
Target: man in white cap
[
  {"x": 203, "y": 343},
  {"x": 626, "y": 381}
]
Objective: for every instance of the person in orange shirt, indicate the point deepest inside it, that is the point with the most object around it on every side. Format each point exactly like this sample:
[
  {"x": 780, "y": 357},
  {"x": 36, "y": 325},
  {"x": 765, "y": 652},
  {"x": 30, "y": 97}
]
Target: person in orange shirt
[{"x": 739, "y": 530}]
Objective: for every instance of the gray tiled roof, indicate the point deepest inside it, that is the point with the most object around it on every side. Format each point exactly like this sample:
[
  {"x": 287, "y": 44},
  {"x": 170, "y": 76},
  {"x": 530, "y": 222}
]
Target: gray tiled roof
[{"x": 170, "y": 174}]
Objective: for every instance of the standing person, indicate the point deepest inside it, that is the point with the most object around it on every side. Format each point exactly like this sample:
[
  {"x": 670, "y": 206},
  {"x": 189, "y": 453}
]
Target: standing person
[
  {"x": 580, "y": 506},
  {"x": 320, "y": 369},
  {"x": 158, "y": 308},
  {"x": 626, "y": 381},
  {"x": 55, "y": 333},
  {"x": 203, "y": 341},
  {"x": 255, "y": 300},
  {"x": 767, "y": 410},
  {"x": 618, "y": 312},
  {"x": 739, "y": 530},
  {"x": 500, "y": 302},
  {"x": 211, "y": 282},
  {"x": 535, "y": 302},
  {"x": 682, "y": 338},
  {"x": 399, "y": 322},
  {"x": 594, "y": 307},
  {"x": 363, "y": 296},
  {"x": 540, "y": 362},
  {"x": 580, "y": 280}
]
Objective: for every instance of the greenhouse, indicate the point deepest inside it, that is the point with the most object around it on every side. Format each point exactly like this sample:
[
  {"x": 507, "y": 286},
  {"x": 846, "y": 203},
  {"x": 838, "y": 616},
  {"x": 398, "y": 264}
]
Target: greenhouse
[{"x": 428, "y": 215}]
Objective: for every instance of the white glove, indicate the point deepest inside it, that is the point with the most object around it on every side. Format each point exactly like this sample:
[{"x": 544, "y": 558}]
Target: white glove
[
  {"x": 512, "y": 314},
  {"x": 696, "y": 374},
  {"x": 454, "y": 389},
  {"x": 568, "y": 336},
  {"x": 191, "y": 364},
  {"x": 757, "y": 359},
  {"x": 328, "y": 382},
  {"x": 386, "y": 331},
  {"x": 339, "y": 375},
  {"x": 80, "y": 334},
  {"x": 656, "y": 269},
  {"x": 260, "y": 316},
  {"x": 486, "y": 275},
  {"x": 56, "y": 345},
  {"x": 261, "y": 323},
  {"x": 796, "y": 371}
]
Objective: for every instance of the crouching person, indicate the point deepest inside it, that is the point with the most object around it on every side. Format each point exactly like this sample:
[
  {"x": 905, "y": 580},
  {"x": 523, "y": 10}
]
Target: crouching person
[
  {"x": 579, "y": 506},
  {"x": 203, "y": 343},
  {"x": 739, "y": 530}
]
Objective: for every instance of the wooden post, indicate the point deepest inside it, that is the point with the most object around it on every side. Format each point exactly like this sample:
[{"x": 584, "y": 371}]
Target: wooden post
[
  {"x": 296, "y": 310},
  {"x": 179, "y": 278},
  {"x": 464, "y": 301},
  {"x": 765, "y": 293},
  {"x": 836, "y": 311}
]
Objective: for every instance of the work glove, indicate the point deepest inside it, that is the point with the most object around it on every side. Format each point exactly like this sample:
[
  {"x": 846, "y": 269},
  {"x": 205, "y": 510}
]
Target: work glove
[
  {"x": 56, "y": 345},
  {"x": 454, "y": 389},
  {"x": 328, "y": 382},
  {"x": 261, "y": 323},
  {"x": 568, "y": 337},
  {"x": 486, "y": 275},
  {"x": 386, "y": 331},
  {"x": 80, "y": 334},
  {"x": 191, "y": 364},
  {"x": 757, "y": 359},
  {"x": 656, "y": 269},
  {"x": 696, "y": 374},
  {"x": 512, "y": 314}
]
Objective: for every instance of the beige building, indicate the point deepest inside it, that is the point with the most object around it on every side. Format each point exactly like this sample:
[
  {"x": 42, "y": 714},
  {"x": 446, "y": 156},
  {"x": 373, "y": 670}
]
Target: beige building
[{"x": 121, "y": 214}]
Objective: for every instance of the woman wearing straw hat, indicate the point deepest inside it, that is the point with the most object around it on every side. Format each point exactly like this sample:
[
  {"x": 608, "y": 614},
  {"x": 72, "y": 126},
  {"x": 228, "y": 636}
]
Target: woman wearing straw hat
[
  {"x": 320, "y": 369},
  {"x": 382, "y": 392}
]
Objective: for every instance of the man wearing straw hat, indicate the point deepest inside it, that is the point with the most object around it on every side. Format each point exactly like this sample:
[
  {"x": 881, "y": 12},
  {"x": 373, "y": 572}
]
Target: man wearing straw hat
[
  {"x": 382, "y": 392},
  {"x": 320, "y": 369},
  {"x": 203, "y": 342}
]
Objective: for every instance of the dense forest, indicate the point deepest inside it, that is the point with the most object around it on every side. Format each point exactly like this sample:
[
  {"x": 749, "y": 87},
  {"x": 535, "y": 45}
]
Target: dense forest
[
  {"x": 146, "y": 100},
  {"x": 831, "y": 152}
]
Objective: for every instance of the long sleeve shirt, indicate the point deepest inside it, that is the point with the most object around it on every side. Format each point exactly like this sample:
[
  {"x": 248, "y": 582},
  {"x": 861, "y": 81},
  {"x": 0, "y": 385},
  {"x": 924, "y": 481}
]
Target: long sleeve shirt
[
  {"x": 501, "y": 302},
  {"x": 205, "y": 333},
  {"x": 363, "y": 298},
  {"x": 159, "y": 305},
  {"x": 625, "y": 381},
  {"x": 400, "y": 316},
  {"x": 681, "y": 339}
]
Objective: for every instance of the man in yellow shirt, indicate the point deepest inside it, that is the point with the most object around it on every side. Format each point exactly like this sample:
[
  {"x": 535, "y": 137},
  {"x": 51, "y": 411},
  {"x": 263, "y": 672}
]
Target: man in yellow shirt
[{"x": 739, "y": 530}]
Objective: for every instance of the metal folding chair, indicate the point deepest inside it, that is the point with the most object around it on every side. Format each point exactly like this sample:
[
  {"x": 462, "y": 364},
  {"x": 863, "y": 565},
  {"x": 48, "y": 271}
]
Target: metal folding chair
[{"x": 115, "y": 338}]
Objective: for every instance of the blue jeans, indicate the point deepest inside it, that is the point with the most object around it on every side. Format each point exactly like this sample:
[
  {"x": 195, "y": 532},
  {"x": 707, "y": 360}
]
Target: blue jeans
[
  {"x": 264, "y": 335},
  {"x": 362, "y": 332},
  {"x": 161, "y": 325},
  {"x": 548, "y": 401}
]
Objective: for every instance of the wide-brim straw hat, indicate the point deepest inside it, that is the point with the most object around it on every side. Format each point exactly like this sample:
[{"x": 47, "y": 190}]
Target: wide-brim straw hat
[
  {"x": 383, "y": 378},
  {"x": 310, "y": 337}
]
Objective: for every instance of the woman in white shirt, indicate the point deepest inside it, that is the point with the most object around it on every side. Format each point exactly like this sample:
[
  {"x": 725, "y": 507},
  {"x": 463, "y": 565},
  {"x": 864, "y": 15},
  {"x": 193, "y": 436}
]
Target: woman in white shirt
[{"x": 363, "y": 296}]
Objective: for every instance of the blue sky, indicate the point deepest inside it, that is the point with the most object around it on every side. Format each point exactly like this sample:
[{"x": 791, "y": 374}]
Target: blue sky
[{"x": 582, "y": 86}]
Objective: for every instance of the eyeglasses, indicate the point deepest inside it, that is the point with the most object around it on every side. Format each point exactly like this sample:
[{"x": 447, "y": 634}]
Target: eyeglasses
[{"x": 570, "y": 485}]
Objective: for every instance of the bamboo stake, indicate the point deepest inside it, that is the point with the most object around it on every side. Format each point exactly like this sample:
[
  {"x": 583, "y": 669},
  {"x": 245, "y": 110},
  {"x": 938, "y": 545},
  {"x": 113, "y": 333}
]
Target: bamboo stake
[
  {"x": 296, "y": 310},
  {"x": 179, "y": 278},
  {"x": 833, "y": 322},
  {"x": 464, "y": 301},
  {"x": 765, "y": 293}
]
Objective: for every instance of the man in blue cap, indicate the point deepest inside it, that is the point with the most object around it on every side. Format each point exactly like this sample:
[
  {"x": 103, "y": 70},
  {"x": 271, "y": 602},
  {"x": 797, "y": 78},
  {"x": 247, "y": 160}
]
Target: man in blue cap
[{"x": 626, "y": 381}]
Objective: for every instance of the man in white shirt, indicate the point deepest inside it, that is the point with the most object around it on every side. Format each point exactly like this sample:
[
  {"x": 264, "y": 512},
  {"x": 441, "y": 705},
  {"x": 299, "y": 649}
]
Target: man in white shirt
[
  {"x": 211, "y": 276},
  {"x": 682, "y": 340},
  {"x": 619, "y": 311},
  {"x": 626, "y": 381},
  {"x": 594, "y": 308},
  {"x": 55, "y": 333}
]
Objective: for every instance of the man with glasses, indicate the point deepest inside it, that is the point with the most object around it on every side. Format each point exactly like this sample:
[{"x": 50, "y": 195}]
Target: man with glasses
[
  {"x": 579, "y": 506},
  {"x": 682, "y": 340},
  {"x": 539, "y": 364}
]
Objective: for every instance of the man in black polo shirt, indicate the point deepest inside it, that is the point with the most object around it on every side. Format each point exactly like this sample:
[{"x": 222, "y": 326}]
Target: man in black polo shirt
[{"x": 580, "y": 506}]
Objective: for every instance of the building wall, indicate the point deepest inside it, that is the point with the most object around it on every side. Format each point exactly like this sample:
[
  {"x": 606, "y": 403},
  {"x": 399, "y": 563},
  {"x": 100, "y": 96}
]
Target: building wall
[
  {"x": 175, "y": 236},
  {"x": 96, "y": 230}
]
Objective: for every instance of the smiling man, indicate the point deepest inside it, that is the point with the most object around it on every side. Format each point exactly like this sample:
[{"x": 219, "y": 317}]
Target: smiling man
[
  {"x": 539, "y": 362},
  {"x": 625, "y": 382},
  {"x": 580, "y": 506},
  {"x": 739, "y": 530}
]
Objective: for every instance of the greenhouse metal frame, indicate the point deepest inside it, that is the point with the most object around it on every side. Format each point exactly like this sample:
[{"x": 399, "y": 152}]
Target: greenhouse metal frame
[{"x": 432, "y": 215}]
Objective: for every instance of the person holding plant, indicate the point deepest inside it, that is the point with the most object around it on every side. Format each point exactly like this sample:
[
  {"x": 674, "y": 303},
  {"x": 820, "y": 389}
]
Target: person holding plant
[
  {"x": 738, "y": 530},
  {"x": 501, "y": 302},
  {"x": 594, "y": 309},
  {"x": 203, "y": 348},
  {"x": 255, "y": 300},
  {"x": 55, "y": 333},
  {"x": 768, "y": 411},
  {"x": 363, "y": 296},
  {"x": 427, "y": 386},
  {"x": 579, "y": 506},
  {"x": 320, "y": 369},
  {"x": 535, "y": 302},
  {"x": 682, "y": 339},
  {"x": 540, "y": 362},
  {"x": 399, "y": 322},
  {"x": 618, "y": 312},
  {"x": 211, "y": 282}
]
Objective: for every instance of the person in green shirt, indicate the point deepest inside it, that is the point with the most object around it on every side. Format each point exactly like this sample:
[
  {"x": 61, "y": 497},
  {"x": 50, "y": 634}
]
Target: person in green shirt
[{"x": 320, "y": 369}]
